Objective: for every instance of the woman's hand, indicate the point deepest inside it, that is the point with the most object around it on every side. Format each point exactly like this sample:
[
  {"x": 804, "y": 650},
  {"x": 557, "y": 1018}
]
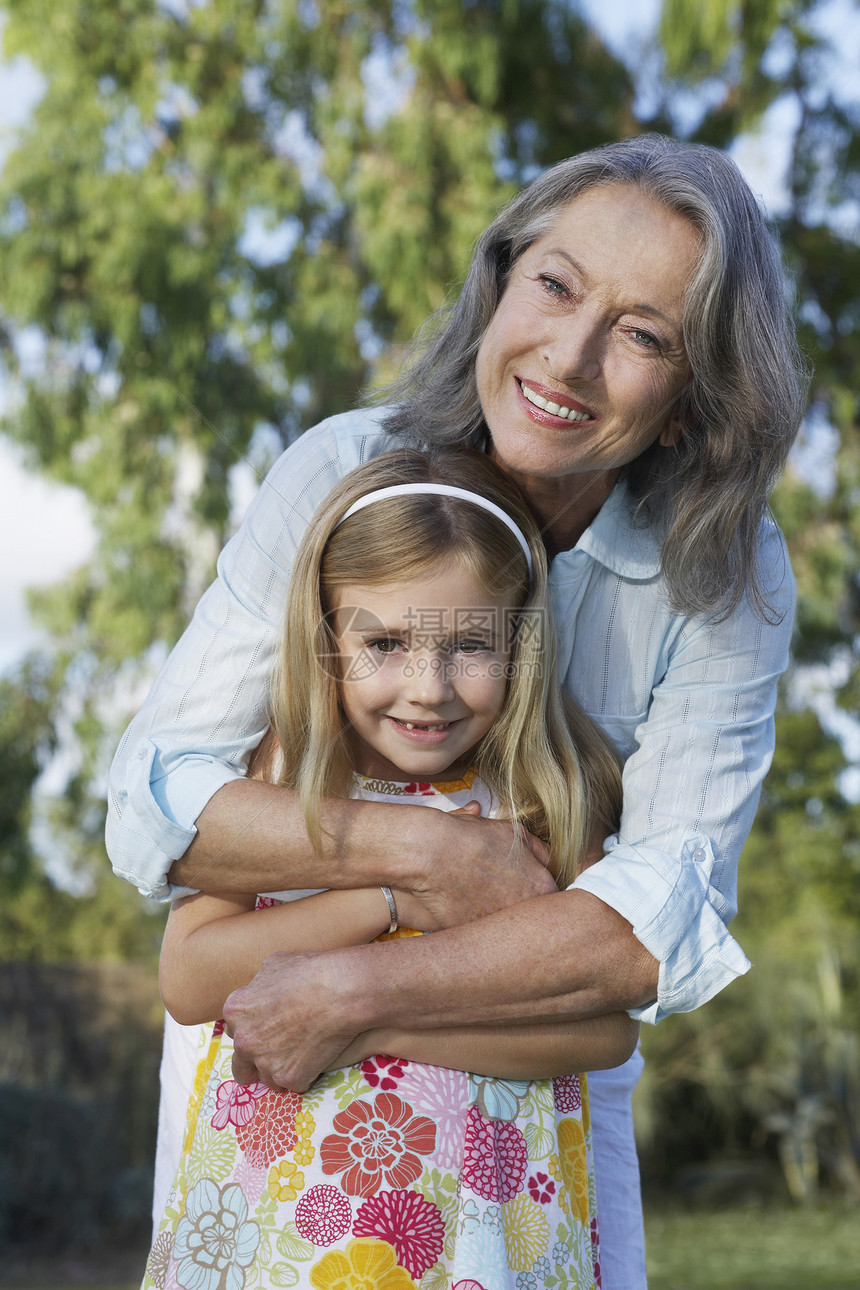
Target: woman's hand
[
  {"x": 293, "y": 1020},
  {"x": 486, "y": 866}
]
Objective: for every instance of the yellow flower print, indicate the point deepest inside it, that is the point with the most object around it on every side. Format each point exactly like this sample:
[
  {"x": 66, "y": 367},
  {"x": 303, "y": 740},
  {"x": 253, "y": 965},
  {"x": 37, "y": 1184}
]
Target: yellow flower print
[
  {"x": 586, "y": 1109},
  {"x": 554, "y": 1167},
  {"x": 201, "y": 1080},
  {"x": 285, "y": 1182},
  {"x": 305, "y": 1124},
  {"x": 365, "y": 1262},
  {"x": 574, "y": 1167},
  {"x": 526, "y": 1229},
  {"x": 304, "y": 1151}
]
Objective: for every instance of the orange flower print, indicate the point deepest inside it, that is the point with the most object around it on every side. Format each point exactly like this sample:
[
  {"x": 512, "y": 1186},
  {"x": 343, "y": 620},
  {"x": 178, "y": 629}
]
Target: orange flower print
[
  {"x": 364, "y": 1263},
  {"x": 376, "y": 1143},
  {"x": 271, "y": 1133}
]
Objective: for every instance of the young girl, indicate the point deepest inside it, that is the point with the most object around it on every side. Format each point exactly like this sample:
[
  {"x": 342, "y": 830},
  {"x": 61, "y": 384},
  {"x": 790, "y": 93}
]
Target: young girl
[{"x": 417, "y": 667}]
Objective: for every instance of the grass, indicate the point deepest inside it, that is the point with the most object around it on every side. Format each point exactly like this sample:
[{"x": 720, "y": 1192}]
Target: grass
[
  {"x": 755, "y": 1248},
  {"x": 748, "y": 1248}
]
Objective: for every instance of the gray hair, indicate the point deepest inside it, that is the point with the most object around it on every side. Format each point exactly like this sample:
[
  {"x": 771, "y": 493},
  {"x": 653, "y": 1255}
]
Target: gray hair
[{"x": 746, "y": 394}]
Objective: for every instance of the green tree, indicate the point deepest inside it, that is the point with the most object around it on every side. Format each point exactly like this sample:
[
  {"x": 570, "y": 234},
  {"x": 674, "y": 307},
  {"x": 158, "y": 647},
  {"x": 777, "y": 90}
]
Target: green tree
[
  {"x": 222, "y": 221},
  {"x": 778, "y": 1054},
  {"x": 38, "y": 919}
]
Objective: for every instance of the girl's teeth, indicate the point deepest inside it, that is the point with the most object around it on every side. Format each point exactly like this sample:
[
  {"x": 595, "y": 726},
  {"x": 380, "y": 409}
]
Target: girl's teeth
[
  {"x": 554, "y": 409},
  {"x": 410, "y": 725}
]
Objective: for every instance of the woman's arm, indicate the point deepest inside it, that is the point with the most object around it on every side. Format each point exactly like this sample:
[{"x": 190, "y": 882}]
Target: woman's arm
[
  {"x": 215, "y": 943},
  {"x": 302, "y": 1011},
  {"x": 251, "y": 835},
  {"x": 540, "y": 1051}
]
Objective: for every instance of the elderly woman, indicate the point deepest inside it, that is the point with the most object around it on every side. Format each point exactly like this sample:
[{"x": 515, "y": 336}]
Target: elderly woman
[{"x": 623, "y": 349}]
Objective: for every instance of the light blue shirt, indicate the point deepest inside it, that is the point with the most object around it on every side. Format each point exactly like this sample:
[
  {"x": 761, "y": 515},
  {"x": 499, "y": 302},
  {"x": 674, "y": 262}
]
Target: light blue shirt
[{"x": 688, "y": 701}]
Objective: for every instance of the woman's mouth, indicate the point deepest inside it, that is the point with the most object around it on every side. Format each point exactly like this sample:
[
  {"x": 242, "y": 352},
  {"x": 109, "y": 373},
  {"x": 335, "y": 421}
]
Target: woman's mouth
[{"x": 564, "y": 410}]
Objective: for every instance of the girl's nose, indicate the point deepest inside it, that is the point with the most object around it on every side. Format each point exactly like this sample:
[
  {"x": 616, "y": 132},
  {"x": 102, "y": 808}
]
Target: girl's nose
[{"x": 430, "y": 682}]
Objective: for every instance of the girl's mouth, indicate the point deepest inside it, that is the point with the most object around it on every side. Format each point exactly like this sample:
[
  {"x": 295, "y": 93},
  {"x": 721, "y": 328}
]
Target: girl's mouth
[
  {"x": 421, "y": 725},
  {"x": 424, "y": 732}
]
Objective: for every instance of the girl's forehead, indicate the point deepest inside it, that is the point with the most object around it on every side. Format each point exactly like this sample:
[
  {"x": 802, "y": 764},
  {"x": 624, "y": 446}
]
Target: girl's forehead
[{"x": 448, "y": 584}]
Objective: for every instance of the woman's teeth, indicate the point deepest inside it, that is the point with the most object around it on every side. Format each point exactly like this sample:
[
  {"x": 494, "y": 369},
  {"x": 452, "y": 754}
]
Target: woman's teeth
[{"x": 555, "y": 409}]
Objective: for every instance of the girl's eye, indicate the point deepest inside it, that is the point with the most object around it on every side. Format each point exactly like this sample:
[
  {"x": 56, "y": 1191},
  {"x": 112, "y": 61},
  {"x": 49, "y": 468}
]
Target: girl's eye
[
  {"x": 471, "y": 647},
  {"x": 385, "y": 646}
]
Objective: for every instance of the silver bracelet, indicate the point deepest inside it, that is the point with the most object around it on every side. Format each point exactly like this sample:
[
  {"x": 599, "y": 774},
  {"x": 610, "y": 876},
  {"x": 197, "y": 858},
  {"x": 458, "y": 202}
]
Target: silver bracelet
[{"x": 392, "y": 908}]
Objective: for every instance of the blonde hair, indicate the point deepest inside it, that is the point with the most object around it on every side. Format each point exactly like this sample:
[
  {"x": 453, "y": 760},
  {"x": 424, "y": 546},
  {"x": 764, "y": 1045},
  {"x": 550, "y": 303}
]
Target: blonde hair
[{"x": 544, "y": 759}]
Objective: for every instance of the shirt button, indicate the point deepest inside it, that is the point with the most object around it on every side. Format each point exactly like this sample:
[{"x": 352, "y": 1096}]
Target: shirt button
[{"x": 699, "y": 853}]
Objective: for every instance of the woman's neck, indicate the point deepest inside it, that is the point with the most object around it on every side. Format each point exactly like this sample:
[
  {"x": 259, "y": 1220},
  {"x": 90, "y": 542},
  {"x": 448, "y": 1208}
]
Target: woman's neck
[{"x": 565, "y": 506}]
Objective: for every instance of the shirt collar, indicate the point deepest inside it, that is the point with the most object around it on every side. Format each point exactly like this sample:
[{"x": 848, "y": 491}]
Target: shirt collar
[{"x": 616, "y": 541}]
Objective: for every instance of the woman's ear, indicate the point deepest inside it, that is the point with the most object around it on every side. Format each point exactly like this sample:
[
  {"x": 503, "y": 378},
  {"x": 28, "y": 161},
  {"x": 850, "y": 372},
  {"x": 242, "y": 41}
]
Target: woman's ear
[{"x": 672, "y": 432}]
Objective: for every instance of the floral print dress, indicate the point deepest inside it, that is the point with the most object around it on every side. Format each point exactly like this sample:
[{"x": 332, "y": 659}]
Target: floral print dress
[{"x": 390, "y": 1174}]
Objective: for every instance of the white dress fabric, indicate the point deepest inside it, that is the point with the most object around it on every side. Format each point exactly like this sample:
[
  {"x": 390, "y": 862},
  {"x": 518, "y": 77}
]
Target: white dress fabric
[{"x": 390, "y": 1173}]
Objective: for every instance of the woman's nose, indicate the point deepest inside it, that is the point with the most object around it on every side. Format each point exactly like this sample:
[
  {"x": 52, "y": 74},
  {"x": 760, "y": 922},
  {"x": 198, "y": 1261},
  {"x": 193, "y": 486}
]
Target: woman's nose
[{"x": 573, "y": 353}]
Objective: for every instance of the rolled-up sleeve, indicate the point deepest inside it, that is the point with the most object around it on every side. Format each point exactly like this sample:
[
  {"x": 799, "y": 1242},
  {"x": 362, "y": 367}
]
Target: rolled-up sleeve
[
  {"x": 691, "y": 788},
  {"x": 208, "y": 706}
]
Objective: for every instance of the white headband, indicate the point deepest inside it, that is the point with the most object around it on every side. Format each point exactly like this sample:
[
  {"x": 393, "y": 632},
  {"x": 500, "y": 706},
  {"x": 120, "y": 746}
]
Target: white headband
[{"x": 445, "y": 490}]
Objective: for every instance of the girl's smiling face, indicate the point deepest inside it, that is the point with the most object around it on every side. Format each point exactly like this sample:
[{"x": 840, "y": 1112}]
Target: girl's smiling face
[
  {"x": 423, "y": 672},
  {"x": 583, "y": 361}
]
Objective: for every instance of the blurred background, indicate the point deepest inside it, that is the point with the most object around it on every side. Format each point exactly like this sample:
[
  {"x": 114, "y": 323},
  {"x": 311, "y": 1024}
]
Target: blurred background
[{"x": 219, "y": 221}]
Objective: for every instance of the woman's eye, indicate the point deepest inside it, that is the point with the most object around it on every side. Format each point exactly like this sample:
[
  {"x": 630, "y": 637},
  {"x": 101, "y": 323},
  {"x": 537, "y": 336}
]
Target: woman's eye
[
  {"x": 553, "y": 285},
  {"x": 645, "y": 338},
  {"x": 471, "y": 647}
]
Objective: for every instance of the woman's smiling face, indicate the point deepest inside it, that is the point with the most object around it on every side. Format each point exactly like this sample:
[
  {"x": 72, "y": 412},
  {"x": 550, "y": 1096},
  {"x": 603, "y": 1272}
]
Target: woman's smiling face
[{"x": 583, "y": 361}]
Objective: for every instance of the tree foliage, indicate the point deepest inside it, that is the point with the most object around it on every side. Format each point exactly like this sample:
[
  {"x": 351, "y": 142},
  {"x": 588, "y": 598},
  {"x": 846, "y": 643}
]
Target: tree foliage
[
  {"x": 776, "y": 1058},
  {"x": 220, "y": 222},
  {"x": 223, "y": 219}
]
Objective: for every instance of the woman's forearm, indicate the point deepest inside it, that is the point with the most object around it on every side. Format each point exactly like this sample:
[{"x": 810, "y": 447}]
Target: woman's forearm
[
  {"x": 539, "y": 1051},
  {"x": 251, "y": 837},
  {"x": 562, "y": 957},
  {"x": 215, "y": 944}
]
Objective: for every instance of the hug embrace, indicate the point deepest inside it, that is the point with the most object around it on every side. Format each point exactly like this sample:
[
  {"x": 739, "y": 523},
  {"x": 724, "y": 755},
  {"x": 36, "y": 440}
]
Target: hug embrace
[{"x": 581, "y": 681}]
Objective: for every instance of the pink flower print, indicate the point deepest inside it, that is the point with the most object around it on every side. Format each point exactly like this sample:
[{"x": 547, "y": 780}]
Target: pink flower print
[
  {"x": 567, "y": 1093},
  {"x": 271, "y": 1133},
  {"x": 542, "y": 1188},
  {"x": 236, "y": 1103},
  {"x": 468, "y": 1284},
  {"x": 323, "y": 1215},
  {"x": 384, "y": 1072},
  {"x": 251, "y": 1178},
  {"x": 495, "y": 1157},
  {"x": 375, "y": 1143},
  {"x": 407, "y": 1221},
  {"x": 595, "y": 1250},
  {"x": 267, "y": 902},
  {"x": 425, "y": 790},
  {"x": 441, "y": 1094}
]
